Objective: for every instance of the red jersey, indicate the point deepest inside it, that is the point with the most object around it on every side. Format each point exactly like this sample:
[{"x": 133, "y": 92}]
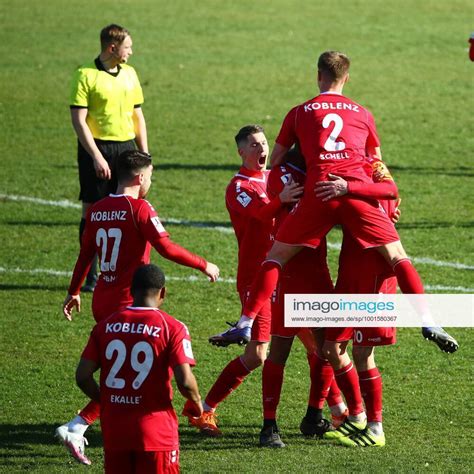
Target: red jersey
[
  {"x": 251, "y": 214},
  {"x": 136, "y": 349},
  {"x": 311, "y": 260},
  {"x": 333, "y": 133},
  {"x": 122, "y": 230}
]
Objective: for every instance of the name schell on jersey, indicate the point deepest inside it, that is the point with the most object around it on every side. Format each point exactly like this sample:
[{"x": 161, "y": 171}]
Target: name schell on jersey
[
  {"x": 331, "y": 106},
  {"x": 101, "y": 216},
  {"x": 244, "y": 199},
  {"x": 133, "y": 328}
]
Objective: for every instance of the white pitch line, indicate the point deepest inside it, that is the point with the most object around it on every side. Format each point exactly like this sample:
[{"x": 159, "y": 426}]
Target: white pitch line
[
  {"x": 225, "y": 230},
  {"x": 194, "y": 278}
]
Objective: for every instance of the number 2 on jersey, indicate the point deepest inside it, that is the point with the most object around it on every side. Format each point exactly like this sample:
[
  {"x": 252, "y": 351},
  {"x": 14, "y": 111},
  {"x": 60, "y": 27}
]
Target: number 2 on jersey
[
  {"x": 102, "y": 239},
  {"x": 331, "y": 143},
  {"x": 142, "y": 368}
]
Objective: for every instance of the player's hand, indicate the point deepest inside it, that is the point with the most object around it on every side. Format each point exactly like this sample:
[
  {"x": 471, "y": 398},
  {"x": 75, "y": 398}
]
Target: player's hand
[
  {"x": 331, "y": 189},
  {"x": 380, "y": 172},
  {"x": 102, "y": 168},
  {"x": 212, "y": 271},
  {"x": 395, "y": 217},
  {"x": 71, "y": 302},
  {"x": 291, "y": 193},
  {"x": 192, "y": 409}
]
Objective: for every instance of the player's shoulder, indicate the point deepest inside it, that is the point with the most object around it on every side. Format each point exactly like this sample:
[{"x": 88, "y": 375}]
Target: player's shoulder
[{"x": 174, "y": 324}]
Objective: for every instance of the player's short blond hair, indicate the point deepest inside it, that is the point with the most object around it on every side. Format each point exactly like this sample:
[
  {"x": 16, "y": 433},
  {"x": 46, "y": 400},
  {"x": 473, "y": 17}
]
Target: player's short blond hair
[
  {"x": 334, "y": 65},
  {"x": 112, "y": 34}
]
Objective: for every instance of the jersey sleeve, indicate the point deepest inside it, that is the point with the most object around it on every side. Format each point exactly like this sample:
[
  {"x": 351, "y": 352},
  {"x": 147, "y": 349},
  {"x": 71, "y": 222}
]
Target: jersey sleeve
[
  {"x": 246, "y": 201},
  {"x": 79, "y": 90},
  {"x": 84, "y": 260},
  {"x": 382, "y": 190},
  {"x": 91, "y": 351},
  {"x": 277, "y": 179},
  {"x": 181, "y": 351},
  {"x": 373, "y": 140},
  {"x": 154, "y": 231},
  {"x": 287, "y": 136}
]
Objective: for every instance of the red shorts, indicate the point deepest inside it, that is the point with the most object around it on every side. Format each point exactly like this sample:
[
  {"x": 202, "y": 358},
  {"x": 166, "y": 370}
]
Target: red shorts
[
  {"x": 312, "y": 219},
  {"x": 364, "y": 272},
  {"x": 363, "y": 336},
  {"x": 261, "y": 325},
  {"x": 150, "y": 462},
  {"x": 301, "y": 277}
]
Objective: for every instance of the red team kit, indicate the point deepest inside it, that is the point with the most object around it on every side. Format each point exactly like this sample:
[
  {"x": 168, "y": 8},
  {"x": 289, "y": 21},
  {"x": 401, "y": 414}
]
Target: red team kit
[{"x": 335, "y": 136}]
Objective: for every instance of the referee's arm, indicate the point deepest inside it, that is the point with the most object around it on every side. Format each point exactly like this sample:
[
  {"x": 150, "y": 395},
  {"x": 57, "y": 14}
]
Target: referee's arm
[
  {"x": 140, "y": 129},
  {"x": 84, "y": 134}
]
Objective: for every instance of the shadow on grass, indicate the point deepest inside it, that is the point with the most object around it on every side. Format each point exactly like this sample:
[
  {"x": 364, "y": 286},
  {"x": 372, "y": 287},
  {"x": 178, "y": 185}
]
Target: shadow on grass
[
  {"x": 42, "y": 223},
  {"x": 23, "y": 436},
  {"x": 23, "y": 287},
  {"x": 434, "y": 225}
]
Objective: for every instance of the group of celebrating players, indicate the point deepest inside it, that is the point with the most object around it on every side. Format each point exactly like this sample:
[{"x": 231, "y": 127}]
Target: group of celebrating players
[{"x": 326, "y": 171}]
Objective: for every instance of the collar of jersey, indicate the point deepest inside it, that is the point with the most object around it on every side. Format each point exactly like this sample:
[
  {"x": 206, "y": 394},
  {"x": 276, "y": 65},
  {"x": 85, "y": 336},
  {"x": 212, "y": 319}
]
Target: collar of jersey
[
  {"x": 142, "y": 308},
  {"x": 330, "y": 93},
  {"x": 100, "y": 67},
  {"x": 291, "y": 165},
  {"x": 251, "y": 174}
]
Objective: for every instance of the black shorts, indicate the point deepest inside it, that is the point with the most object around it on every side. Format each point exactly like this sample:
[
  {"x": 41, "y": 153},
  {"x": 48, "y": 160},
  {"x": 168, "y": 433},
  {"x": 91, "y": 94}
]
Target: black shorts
[{"x": 92, "y": 188}]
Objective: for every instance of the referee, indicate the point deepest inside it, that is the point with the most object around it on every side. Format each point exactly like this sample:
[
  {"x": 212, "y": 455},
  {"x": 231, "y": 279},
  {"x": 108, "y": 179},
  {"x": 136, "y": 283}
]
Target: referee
[{"x": 107, "y": 117}]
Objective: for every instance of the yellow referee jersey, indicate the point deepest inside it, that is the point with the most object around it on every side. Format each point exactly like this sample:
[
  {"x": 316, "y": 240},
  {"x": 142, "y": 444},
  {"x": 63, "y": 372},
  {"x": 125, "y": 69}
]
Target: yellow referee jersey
[{"x": 110, "y": 99}]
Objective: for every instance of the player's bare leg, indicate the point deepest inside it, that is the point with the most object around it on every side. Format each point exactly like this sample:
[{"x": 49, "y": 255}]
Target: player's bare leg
[{"x": 410, "y": 282}]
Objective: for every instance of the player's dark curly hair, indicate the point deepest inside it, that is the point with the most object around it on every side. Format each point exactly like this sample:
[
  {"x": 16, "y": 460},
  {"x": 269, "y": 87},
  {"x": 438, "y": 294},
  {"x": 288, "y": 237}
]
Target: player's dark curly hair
[
  {"x": 130, "y": 163},
  {"x": 147, "y": 278},
  {"x": 246, "y": 131}
]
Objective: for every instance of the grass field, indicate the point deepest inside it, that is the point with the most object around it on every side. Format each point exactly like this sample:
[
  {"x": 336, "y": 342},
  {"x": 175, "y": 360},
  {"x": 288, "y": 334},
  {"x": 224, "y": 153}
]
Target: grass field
[{"x": 208, "y": 68}]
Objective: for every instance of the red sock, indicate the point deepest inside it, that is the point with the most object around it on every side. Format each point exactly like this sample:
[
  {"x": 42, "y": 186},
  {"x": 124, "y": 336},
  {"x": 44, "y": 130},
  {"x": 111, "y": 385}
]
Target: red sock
[
  {"x": 272, "y": 381},
  {"x": 334, "y": 396},
  {"x": 348, "y": 381},
  {"x": 322, "y": 374},
  {"x": 408, "y": 279},
  {"x": 262, "y": 288},
  {"x": 371, "y": 388},
  {"x": 90, "y": 412},
  {"x": 231, "y": 377}
]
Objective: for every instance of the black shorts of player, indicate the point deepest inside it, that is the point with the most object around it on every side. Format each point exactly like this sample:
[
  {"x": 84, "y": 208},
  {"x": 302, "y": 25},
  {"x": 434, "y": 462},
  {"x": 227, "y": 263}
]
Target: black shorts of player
[{"x": 92, "y": 188}]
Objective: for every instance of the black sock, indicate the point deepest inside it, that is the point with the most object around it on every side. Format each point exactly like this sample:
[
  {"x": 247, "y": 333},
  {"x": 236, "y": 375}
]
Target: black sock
[
  {"x": 314, "y": 414},
  {"x": 267, "y": 422}
]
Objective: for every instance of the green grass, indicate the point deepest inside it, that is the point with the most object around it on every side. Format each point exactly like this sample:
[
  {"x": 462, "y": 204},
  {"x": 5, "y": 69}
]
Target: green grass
[{"x": 208, "y": 68}]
